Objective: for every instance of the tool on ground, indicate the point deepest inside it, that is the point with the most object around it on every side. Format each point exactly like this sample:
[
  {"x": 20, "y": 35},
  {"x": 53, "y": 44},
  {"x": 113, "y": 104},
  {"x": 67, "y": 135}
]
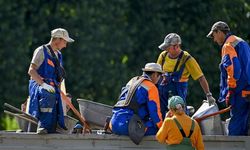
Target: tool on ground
[{"x": 76, "y": 112}]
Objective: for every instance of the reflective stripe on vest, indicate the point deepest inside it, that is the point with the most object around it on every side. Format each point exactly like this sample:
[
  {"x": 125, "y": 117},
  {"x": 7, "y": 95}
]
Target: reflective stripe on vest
[{"x": 46, "y": 110}]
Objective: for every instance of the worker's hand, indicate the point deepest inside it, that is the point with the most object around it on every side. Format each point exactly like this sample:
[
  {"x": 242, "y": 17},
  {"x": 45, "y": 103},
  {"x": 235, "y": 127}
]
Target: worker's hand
[
  {"x": 164, "y": 80},
  {"x": 230, "y": 95},
  {"x": 169, "y": 114},
  {"x": 210, "y": 99},
  {"x": 47, "y": 87}
]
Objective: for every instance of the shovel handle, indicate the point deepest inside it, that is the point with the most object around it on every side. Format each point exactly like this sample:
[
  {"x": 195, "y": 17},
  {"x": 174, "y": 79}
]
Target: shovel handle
[
  {"x": 213, "y": 114},
  {"x": 76, "y": 112}
]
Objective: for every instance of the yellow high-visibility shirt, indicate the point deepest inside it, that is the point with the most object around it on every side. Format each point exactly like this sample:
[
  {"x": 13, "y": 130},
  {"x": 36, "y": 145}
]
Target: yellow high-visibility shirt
[
  {"x": 169, "y": 132},
  {"x": 191, "y": 66}
]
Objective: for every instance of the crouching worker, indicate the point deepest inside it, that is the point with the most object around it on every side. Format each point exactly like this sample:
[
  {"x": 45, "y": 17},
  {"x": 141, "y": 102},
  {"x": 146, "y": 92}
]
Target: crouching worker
[
  {"x": 137, "y": 112},
  {"x": 179, "y": 131},
  {"x": 46, "y": 74}
]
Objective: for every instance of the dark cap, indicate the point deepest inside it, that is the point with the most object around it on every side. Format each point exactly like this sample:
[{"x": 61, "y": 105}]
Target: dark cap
[{"x": 220, "y": 25}]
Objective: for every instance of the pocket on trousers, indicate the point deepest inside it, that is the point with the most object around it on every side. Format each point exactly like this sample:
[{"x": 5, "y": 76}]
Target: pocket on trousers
[{"x": 47, "y": 101}]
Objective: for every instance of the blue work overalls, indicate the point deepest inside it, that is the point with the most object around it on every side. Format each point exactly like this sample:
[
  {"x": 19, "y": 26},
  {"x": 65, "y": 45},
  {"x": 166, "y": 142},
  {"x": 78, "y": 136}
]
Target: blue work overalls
[
  {"x": 169, "y": 84},
  {"x": 147, "y": 110},
  {"x": 46, "y": 106},
  {"x": 239, "y": 122}
]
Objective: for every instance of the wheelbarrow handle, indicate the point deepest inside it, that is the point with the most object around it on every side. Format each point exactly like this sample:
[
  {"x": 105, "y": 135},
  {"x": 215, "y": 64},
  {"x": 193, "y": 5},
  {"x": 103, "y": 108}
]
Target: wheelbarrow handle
[
  {"x": 22, "y": 117},
  {"x": 20, "y": 111},
  {"x": 213, "y": 114}
]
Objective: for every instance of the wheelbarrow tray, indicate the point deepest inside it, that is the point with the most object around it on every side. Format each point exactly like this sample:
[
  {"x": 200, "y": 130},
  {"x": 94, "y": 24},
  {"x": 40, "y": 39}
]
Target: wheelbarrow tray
[{"x": 94, "y": 113}]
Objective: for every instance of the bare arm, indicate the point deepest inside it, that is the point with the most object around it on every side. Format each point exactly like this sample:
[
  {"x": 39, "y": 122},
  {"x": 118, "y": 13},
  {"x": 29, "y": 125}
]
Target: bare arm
[
  {"x": 204, "y": 84},
  {"x": 205, "y": 87},
  {"x": 34, "y": 75}
]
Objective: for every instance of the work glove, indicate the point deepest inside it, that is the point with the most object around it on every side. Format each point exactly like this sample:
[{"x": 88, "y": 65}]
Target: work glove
[
  {"x": 47, "y": 87},
  {"x": 210, "y": 99},
  {"x": 230, "y": 95}
]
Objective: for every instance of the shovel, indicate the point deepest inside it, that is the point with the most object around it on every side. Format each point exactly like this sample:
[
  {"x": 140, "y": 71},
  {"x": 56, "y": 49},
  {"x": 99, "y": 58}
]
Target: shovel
[{"x": 81, "y": 118}]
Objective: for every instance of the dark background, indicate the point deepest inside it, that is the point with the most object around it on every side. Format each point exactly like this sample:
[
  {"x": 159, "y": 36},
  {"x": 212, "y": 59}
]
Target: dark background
[{"x": 114, "y": 39}]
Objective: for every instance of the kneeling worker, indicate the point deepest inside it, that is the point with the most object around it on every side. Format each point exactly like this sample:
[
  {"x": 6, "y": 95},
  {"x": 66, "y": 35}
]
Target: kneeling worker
[{"x": 137, "y": 112}]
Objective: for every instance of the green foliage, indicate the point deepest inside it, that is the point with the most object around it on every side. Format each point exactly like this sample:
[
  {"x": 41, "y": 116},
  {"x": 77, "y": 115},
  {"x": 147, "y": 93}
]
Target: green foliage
[
  {"x": 9, "y": 123},
  {"x": 114, "y": 40}
]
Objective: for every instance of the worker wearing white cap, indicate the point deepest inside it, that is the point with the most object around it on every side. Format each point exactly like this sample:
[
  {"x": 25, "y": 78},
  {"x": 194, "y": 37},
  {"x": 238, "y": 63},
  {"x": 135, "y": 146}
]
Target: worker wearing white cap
[
  {"x": 137, "y": 111},
  {"x": 46, "y": 72}
]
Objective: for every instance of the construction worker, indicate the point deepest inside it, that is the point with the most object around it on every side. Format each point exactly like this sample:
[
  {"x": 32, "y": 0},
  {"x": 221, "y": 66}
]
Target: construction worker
[
  {"x": 138, "y": 104},
  {"x": 179, "y": 131},
  {"x": 46, "y": 74},
  {"x": 235, "y": 76},
  {"x": 178, "y": 65}
]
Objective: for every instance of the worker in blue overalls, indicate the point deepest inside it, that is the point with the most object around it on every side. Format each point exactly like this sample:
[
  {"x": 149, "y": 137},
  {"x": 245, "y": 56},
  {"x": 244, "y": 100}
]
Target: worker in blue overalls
[
  {"x": 235, "y": 76},
  {"x": 46, "y": 74},
  {"x": 138, "y": 105},
  {"x": 178, "y": 65}
]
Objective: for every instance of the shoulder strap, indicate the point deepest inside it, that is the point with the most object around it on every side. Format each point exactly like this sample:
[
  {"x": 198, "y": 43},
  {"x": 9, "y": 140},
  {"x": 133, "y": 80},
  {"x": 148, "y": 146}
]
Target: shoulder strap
[
  {"x": 180, "y": 128},
  {"x": 186, "y": 58},
  {"x": 192, "y": 129},
  {"x": 130, "y": 89},
  {"x": 133, "y": 88},
  {"x": 60, "y": 72},
  {"x": 54, "y": 56},
  {"x": 184, "y": 62},
  {"x": 163, "y": 58},
  {"x": 178, "y": 61}
]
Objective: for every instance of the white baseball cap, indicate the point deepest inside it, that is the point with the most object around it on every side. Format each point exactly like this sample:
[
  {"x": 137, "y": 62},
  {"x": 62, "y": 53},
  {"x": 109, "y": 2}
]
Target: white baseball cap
[
  {"x": 61, "y": 33},
  {"x": 153, "y": 67}
]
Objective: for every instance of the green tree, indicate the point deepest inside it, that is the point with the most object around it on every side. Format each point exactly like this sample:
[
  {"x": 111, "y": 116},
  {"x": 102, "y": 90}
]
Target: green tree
[{"x": 114, "y": 40}]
